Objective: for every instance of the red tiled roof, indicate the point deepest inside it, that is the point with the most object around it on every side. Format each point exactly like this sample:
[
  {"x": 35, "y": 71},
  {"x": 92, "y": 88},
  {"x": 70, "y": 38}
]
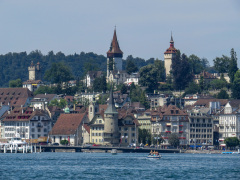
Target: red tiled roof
[
  {"x": 15, "y": 96},
  {"x": 205, "y": 102},
  {"x": 114, "y": 50},
  {"x": 67, "y": 124},
  {"x": 22, "y": 114},
  {"x": 86, "y": 127},
  {"x": 33, "y": 82}
]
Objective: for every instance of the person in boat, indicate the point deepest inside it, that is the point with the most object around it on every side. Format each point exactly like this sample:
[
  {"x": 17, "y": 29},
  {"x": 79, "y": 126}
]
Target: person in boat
[{"x": 151, "y": 153}]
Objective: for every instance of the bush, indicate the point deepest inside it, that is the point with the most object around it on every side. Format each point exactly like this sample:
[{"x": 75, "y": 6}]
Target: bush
[{"x": 64, "y": 142}]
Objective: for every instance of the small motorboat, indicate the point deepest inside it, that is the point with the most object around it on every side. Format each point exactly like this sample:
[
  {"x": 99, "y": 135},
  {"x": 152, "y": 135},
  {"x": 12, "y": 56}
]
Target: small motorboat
[
  {"x": 114, "y": 151},
  {"x": 154, "y": 156}
]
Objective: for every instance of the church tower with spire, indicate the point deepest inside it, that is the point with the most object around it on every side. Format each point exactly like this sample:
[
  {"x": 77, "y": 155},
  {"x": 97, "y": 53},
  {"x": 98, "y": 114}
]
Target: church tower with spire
[
  {"x": 114, "y": 56},
  {"x": 93, "y": 108},
  {"x": 111, "y": 130},
  {"x": 169, "y": 55}
]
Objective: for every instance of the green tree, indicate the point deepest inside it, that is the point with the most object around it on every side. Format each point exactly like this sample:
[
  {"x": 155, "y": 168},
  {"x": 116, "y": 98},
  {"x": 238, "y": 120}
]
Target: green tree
[
  {"x": 221, "y": 64},
  {"x": 43, "y": 90},
  {"x": 218, "y": 84},
  {"x": 64, "y": 142},
  {"x": 181, "y": 71},
  {"x": 232, "y": 65},
  {"x": 196, "y": 64},
  {"x": 102, "y": 99},
  {"x": 150, "y": 75},
  {"x": 231, "y": 142},
  {"x": 100, "y": 84},
  {"x": 143, "y": 100},
  {"x": 201, "y": 83},
  {"x": 174, "y": 140},
  {"x": 236, "y": 86},
  {"x": 15, "y": 83},
  {"x": 59, "y": 103},
  {"x": 192, "y": 88},
  {"x": 144, "y": 136},
  {"x": 157, "y": 139},
  {"x": 131, "y": 67},
  {"x": 58, "y": 73},
  {"x": 123, "y": 89},
  {"x": 223, "y": 94}
]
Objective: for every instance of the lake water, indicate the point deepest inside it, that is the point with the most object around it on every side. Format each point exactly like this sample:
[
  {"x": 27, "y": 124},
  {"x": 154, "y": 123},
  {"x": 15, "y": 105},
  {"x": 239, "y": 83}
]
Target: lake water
[{"x": 120, "y": 166}]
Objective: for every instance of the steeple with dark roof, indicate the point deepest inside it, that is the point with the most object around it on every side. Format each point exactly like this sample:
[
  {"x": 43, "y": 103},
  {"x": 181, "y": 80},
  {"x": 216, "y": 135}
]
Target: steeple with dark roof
[
  {"x": 114, "y": 50},
  {"x": 111, "y": 105}
]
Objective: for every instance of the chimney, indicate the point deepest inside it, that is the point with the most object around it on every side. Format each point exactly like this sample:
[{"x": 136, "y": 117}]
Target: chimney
[
  {"x": 33, "y": 109},
  {"x": 9, "y": 112},
  {"x": 22, "y": 111}
]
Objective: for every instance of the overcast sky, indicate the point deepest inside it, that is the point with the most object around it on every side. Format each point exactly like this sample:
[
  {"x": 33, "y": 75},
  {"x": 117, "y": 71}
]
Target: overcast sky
[{"x": 204, "y": 28}]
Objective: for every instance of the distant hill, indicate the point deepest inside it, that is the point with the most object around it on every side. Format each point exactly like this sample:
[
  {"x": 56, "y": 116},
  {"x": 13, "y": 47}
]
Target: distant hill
[{"x": 15, "y": 65}]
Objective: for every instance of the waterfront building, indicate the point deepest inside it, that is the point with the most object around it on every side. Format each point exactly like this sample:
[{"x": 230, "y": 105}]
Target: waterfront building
[
  {"x": 168, "y": 120},
  {"x": 69, "y": 127},
  {"x": 27, "y": 122},
  {"x": 169, "y": 55},
  {"x": 120, "y": 99},
  {"x": 201, "y": 127},
  {"x": 229, "y": 121},
  {"x": 144, "y": 119},
  {"x": 109, "y": 126}
]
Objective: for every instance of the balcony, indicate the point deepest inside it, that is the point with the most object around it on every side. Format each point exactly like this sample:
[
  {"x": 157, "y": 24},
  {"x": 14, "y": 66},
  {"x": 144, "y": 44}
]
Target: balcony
[{"x": 168, "y": 131}]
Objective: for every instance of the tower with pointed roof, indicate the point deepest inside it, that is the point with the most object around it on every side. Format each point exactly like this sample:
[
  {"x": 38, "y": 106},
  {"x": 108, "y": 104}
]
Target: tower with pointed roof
[
  {"x": 114, "y": 56},
  {"x": 93, "y": 108},
  {"x": 111, "y": 129},
  {"x": 169, "y": 55}
]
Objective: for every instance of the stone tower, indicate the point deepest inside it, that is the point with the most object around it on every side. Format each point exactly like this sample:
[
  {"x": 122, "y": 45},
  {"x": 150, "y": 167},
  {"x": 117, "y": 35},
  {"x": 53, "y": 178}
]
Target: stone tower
[
  {"x": 34, "y": 72},
  {"x": 93, "y": 108},
  {"x": 114, "y": 56},
  {"x": 169, "y": 55},
  {"x": 111, "y": 131}
]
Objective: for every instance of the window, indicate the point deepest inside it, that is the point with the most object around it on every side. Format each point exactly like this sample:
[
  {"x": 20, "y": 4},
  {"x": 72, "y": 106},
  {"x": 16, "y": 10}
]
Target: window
[
  {"x": 32, "y": 124},
  {"x": 39, "y": 130},
  {"x": 33, "y": 136},
  {"x": 33, "y": 130}
]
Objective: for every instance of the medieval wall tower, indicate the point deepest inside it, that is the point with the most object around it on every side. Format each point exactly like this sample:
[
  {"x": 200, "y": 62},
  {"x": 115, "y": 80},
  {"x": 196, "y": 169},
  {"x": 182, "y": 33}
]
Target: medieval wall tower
[
  {"x": 169, "y": 55},
  {"x": 111, "y": 129},
  {"x": 34, "y": 72},
  {"x": 114, "y": 56}
]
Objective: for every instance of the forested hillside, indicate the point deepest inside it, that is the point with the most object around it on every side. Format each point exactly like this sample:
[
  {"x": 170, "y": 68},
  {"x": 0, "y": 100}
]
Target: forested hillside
[{"x": 15, "y": 65}]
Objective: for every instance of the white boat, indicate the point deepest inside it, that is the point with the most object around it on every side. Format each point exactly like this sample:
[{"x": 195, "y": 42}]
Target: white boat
[
  {"x": 18, "y": 144},
  {"x": 114, "y": 151},
  {"x": 154, "y": 156}
]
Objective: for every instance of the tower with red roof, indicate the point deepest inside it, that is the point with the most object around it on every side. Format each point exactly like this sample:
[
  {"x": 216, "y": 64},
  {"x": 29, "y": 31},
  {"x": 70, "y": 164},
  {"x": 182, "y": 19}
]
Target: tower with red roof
[
  {"x": 114, "y": 56},
  {"x": 169, "y": 55}
]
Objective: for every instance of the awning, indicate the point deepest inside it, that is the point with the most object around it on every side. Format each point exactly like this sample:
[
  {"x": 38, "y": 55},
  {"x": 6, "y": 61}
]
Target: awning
[
  {"x": 168, "y": 124},
  {"x": 222, "y": 145},
  {"x": 193, "y": 146}
]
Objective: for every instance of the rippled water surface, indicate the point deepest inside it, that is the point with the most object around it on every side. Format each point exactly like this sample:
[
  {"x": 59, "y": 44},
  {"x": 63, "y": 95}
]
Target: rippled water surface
[{"x": 120, "y": 166}]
